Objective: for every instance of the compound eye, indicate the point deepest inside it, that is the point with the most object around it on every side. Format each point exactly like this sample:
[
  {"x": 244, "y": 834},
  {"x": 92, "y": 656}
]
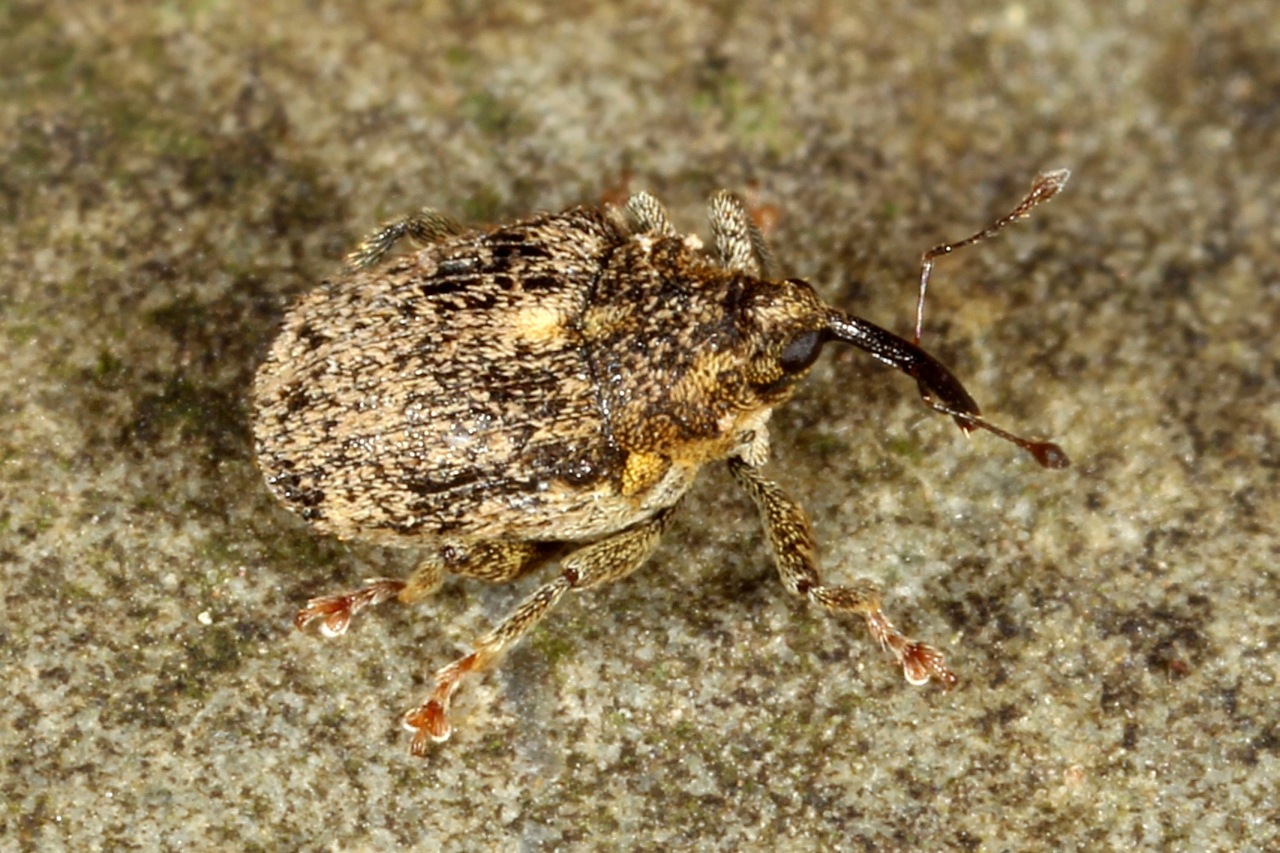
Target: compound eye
[{"x": 801, "y": 351}]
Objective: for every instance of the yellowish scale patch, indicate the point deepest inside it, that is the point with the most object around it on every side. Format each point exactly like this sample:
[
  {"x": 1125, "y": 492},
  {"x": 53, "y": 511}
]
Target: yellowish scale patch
[
  {"x": 538, "y": 324},
  {"x": 643, "y": 471}
]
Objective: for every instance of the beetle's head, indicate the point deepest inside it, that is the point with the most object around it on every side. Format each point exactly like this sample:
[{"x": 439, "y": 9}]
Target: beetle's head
[{"x": 784, "y": 326}]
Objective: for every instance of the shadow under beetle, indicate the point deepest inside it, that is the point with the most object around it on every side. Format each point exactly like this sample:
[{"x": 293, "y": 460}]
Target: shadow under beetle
[{"x": 547, "y": 391}]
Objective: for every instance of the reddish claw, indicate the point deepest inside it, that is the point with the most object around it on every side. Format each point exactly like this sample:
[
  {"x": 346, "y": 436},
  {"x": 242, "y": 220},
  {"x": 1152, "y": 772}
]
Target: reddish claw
[
  {"x": 337, "y": 610},
  {"x": 920, "y": 662}
]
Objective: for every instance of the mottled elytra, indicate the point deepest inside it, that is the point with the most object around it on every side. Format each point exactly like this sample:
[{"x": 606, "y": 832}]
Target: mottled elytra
[{"x": 546, "y": 391}]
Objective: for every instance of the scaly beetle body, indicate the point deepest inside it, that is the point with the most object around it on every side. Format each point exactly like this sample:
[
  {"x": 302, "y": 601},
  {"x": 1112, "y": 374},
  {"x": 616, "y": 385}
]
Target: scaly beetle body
[{"x": 548, "y": 390}]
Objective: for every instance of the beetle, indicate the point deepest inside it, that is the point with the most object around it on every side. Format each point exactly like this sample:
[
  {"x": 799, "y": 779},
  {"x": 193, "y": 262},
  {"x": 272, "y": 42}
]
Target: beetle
[{"x": 547, "y": 390}]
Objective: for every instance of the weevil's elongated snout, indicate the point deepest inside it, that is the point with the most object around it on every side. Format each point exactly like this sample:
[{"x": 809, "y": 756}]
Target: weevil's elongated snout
[
  {"x": 935, "y": 380},
  {"x": 939, "y": 388}
]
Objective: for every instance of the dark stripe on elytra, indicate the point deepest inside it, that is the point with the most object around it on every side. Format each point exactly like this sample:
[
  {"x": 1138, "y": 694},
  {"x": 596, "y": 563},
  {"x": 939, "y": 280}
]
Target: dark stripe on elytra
[{"x": 424, "y": 488}]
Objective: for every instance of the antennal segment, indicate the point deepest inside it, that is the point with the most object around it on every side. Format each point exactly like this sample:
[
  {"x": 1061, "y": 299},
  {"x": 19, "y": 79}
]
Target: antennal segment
[{"x": 1044, "y": 187}]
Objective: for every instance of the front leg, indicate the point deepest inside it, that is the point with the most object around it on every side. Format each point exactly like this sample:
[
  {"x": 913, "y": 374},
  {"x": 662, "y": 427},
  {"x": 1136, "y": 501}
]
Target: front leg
[{"x": 795, "y": 553}]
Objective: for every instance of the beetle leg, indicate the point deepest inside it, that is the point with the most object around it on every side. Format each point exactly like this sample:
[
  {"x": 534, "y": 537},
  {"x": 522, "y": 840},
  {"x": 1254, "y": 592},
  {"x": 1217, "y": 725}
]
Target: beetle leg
[
  {"x": 424, "y": 227},
  {"x": 646, "y": 215},
  {"x": 337, "y": 610},
  {"x": 739, "y": 244},
  {"x": 493, "y": 561},
  {"x": 795, "y": 553},
  {"x": 595, "y": 564}
]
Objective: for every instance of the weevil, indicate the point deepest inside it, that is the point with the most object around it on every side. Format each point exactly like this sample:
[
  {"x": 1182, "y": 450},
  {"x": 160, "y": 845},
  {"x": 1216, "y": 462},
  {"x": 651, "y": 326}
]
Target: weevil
[{"x": 546, "y": 391}]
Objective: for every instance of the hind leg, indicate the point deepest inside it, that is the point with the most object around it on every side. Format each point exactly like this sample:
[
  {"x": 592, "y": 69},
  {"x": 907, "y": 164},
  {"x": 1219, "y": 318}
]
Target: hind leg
[
  {"x": 598, "y": 563},
  {"x": 496, "y": 562}
]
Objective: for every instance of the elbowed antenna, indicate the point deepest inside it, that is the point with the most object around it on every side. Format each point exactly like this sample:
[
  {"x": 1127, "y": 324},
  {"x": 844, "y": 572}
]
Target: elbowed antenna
[
  {"x": 939, "y": 388},
  {"x": 1044, "y": 187}
]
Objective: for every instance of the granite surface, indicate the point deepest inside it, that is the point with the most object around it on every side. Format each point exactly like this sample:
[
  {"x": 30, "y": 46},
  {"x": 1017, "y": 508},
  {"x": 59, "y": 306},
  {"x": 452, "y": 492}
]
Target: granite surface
[{"x": 171, "y": 175}]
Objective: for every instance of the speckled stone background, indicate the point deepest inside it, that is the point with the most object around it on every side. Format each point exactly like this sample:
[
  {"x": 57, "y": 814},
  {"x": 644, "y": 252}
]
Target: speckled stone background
[{"x": 172, "y": 174}]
